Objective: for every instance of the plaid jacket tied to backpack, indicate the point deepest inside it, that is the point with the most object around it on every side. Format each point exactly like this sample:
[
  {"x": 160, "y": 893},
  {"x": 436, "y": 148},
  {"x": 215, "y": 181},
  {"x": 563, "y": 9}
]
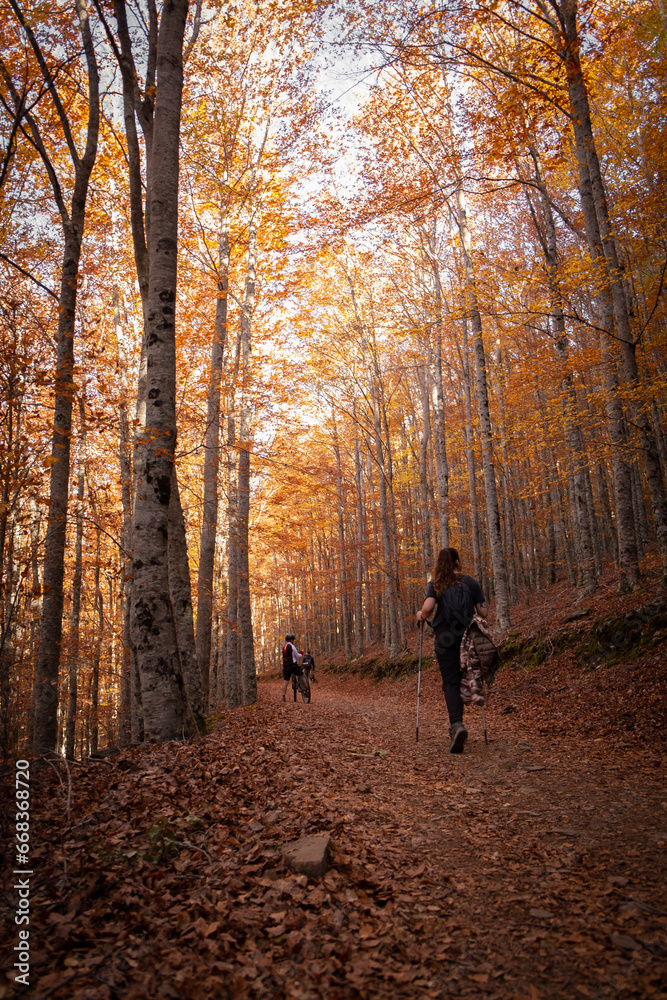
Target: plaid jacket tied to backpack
[{"x": 479, "y": 661}]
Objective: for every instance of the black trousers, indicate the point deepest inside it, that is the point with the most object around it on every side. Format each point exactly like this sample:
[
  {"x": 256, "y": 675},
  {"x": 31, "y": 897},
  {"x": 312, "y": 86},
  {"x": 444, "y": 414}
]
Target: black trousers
[{"x": 450, "y": 670}]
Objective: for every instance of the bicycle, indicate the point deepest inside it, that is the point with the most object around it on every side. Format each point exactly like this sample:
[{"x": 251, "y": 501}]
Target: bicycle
[{"x": 301, "y": 683}]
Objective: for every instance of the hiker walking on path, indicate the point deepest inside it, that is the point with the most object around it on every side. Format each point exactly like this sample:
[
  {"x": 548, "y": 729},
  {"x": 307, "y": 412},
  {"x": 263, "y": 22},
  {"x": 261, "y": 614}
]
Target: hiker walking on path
[
  {"x": 291, "y": 662},
  {"x": 455, "y": 598}
]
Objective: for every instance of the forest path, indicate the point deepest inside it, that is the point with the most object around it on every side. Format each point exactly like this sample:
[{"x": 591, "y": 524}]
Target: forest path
[{"x": 532, "y": 866}]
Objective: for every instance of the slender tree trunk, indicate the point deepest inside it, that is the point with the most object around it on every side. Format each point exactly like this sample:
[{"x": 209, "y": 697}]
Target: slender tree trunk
[
  {"x": 424, "y": 437},
  {"x": 389, "y": 567},
  {"x": 506, "y": 482},
  {"x": 470, "y": 455},
  {"x": 438, "y": 404},
  {"x": 393, "y": 525},
  {"x": 97, "y": 650},
  {"x": 219, "y": 650},
  {"x": 45, "y": 690},
  {"x": 211, "y": 466},
  {"x": 572, "y": 423},
  {"x": 492, "y": 510},
  {"x": 342, "y": 555},
  {"x": 361, "y": 544},
  {"x": 70, "y": 725},
  {"x": 128, "y": 659},
  {"x": 621, "y": 474},
  {"x": 233, "y": 680},
  {"x": 180, "y": 592},
  {"x": 248, "y": 667},
  {"x": 374, "y": 597},
  {"x": 45, "y": 733}
]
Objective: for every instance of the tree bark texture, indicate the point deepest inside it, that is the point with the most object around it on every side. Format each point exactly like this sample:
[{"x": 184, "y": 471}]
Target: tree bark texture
[
  {"x": 153, "y": 625},
  {"x": 492, "y": 510},
  {"x": 97, "y": 649},
  {"x": 128, "y": 656},
  {"x": 209, "y": 524},
  {"x": 470, "y": 455},
  {"x": 233, "y": 681},
  {"x": 45, "y": 731},
  {"x": 70, "y": 724},
  {"x": 181, "y": 601},
  {"x": 548, "y": 239},
  {"x": 248, "y": 667},
  {"x": 604, "y": 254},
  {"x": 438, "y": 408},
  {"x": 360, "y": 546},
  {"x": 342, "y": 554},
  {"x": 424, "y": 437}
]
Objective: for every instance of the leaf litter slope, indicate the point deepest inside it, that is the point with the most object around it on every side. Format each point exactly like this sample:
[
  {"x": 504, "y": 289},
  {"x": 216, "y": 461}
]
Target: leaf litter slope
[{"x": 531, "y": 867}]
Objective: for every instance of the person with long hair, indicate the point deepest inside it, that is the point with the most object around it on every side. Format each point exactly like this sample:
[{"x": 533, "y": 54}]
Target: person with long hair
[{"x": 455, "y": 599}]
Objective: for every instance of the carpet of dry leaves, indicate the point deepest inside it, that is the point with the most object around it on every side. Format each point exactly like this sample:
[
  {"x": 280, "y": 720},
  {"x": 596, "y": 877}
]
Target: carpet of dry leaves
[{"x": 532, "y": 867}]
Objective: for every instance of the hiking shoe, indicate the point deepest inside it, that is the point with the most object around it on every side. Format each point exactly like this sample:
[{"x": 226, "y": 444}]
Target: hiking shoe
[{"x": 458, "y": 735}]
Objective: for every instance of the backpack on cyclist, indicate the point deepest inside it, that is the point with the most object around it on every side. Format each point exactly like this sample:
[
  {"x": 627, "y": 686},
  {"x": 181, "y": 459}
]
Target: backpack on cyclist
[{"x": 288, "y": 660}]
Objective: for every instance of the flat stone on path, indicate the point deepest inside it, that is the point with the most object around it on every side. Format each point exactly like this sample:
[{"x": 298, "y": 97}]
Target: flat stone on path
[
  {"x": 308, "y": 855},
  {"x": 541, "y": 914}
]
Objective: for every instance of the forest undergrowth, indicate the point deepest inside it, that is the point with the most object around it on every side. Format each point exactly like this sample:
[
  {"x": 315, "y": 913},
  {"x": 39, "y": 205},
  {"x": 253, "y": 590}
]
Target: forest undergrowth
[{"x": 529, "y": 868}]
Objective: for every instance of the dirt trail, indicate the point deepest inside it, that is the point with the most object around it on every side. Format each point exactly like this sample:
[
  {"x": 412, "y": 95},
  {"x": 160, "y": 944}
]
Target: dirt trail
[{"x": 531, "y": 868}]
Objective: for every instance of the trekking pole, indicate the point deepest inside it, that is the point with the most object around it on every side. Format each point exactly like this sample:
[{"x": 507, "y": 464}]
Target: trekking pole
[
  {"x": 419, "y": 679},
  {"x": 484, "y": 724}
]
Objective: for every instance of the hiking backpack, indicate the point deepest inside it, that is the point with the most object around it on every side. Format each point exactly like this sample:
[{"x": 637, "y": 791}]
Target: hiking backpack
[
  {"x": 288, "y": 659},
  {"x": 457, "y": 607}
]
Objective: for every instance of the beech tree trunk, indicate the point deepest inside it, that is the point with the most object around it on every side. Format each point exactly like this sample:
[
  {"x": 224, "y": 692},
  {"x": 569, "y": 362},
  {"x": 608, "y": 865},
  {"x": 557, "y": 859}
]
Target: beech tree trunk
[
  {"x": 605, "y": 257},
  {"x": 342, "y": 560},
  {"x": 158, "y": 112},
  {"x": 438, "y": 406},
  {"x": 153, "y": 625},
  {"x": 211, "y": 467},
  {"x": 97, "y": 649},
  {"x": 248, "y": 667},
  {"x": 375, "y": 597},
  {"x": 470, "y": 455},
  {"x": 492, "y": 509},
  {"x": 128, "y": 657},
  {"x": 361, "y": 544},
  {"x": 70, "y": 724},
  {"x": 573, "y": 430},
  {"x": 233, "y": 680},
  {"x": 506, "y": 479},
  {"x": 424, "y": 439},
  {"x": 393, "y": 522},
  {"x": 180, "y": 592},
  {"x": 392, "y": 639},
  {"x": 45, "y": 730}
]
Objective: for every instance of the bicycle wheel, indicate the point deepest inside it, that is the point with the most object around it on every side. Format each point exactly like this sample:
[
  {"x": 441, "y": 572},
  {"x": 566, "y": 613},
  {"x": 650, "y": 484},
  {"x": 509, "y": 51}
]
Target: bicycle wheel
[{"x": 304, "y": 688}]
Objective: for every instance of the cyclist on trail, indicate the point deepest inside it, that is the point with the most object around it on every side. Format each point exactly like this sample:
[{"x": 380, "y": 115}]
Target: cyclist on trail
[
  {"x": 291, "y": 662},
  {"x": 309, "y": 666},
  {"x": 456, "y": 598}
]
